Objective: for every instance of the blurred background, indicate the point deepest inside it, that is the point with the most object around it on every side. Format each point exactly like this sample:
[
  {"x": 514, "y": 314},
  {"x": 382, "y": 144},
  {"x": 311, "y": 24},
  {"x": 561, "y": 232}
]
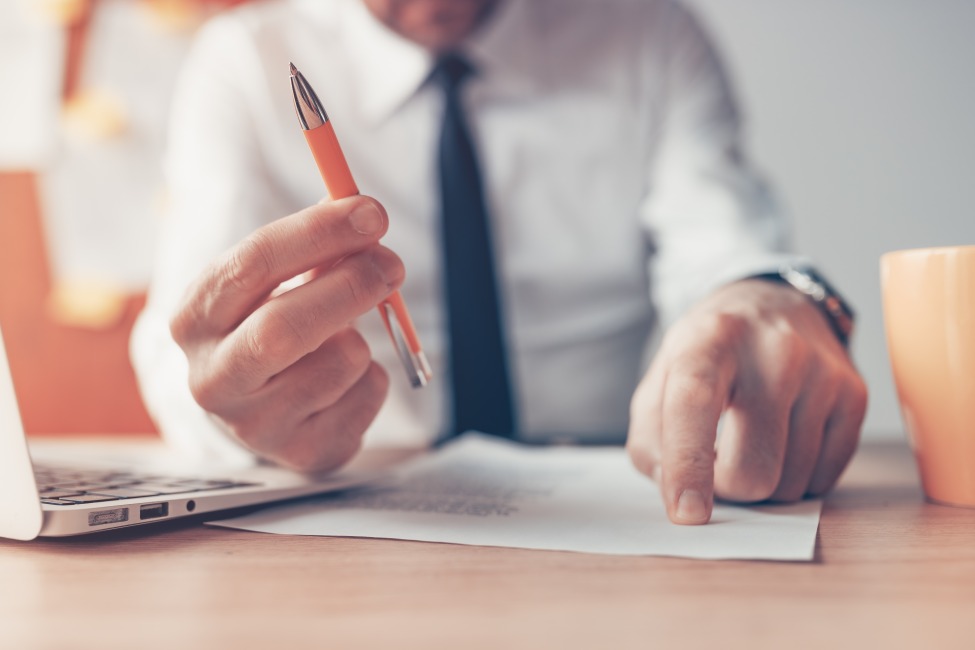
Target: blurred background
[
  {"x": 862, "y": 114},
  {"x": 86, "y": 86}
]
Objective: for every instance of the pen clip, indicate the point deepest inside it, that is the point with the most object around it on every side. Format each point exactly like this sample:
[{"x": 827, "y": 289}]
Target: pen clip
[{"x": 415, "y": 363}]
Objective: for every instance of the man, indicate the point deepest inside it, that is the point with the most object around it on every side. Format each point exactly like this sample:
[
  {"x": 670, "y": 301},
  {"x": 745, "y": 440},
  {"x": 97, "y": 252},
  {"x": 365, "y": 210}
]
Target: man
[{"x": 606, "y": 155}]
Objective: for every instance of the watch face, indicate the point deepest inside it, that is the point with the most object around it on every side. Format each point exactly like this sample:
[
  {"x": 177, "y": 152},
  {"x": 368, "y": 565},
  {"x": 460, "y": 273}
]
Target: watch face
[{"x": 806, "y": 281}]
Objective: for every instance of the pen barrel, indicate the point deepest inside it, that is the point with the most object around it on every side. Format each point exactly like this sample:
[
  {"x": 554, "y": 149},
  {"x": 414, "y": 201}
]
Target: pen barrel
[
  {"x": 331, "y": 161},
  {"x": 395, "y": 301},
  {"x": 338, "y": 179}
]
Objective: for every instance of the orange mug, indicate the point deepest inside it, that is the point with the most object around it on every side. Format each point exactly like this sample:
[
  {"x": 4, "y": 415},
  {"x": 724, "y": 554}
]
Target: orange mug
[{"x": 929, "y": 313}]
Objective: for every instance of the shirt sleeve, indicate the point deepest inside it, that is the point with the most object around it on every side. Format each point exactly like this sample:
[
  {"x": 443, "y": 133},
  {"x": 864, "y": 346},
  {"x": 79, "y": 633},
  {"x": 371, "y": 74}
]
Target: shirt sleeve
[
  {"x": 217, "y": 192},
  {"x": 709, "y": 217}
]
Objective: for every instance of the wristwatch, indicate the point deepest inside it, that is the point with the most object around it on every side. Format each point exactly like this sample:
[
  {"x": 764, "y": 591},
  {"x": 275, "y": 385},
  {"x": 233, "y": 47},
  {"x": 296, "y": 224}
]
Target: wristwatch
[{"x": 814, "y": 286}]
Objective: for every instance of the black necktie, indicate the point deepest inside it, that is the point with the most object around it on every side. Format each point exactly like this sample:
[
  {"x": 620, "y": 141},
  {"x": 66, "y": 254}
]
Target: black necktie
[{"x": 478, "y": 363}]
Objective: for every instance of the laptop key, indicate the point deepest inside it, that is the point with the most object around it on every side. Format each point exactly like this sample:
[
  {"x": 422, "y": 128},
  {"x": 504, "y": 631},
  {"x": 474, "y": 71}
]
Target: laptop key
[
  {"x": 86, "y": 486},
  {"x": 57, "y": 494},
  {"x": 126, "y": 492},
  {"x": 69, "y": 486},
  {"x": 187, "y": 486},
  {"x": 88, "y": 498},
  {"x": 163, "y": 488},
  {"x": 204, "y": 484}
]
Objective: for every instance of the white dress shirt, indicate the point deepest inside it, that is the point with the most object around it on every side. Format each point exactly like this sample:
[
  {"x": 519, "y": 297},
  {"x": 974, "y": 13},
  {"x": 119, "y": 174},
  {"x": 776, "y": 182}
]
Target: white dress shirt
[{"x": 608, "y": 139}]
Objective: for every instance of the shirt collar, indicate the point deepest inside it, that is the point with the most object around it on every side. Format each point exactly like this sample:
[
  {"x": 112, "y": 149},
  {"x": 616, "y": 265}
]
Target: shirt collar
[
  {"x": 390, "y": 69},
  {"x": 387, "y": 68},
  {"x": 502, "y": 51}
]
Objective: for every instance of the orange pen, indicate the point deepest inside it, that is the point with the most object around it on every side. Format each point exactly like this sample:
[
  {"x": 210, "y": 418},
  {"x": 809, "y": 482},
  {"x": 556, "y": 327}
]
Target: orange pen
[{"x": 338, "y": 179}]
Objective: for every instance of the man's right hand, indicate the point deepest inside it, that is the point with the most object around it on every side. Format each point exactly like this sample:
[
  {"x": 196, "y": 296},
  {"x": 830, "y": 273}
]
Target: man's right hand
[{"x": 285, "y": 373}]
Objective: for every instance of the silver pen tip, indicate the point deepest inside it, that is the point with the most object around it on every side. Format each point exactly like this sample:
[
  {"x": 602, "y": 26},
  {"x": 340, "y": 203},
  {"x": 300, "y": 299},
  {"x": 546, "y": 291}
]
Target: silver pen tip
[{"x": 294, "y": 70}]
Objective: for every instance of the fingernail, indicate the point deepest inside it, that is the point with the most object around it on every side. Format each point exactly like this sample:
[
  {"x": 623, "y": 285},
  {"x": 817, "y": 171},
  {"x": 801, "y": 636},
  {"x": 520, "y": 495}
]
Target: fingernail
[
  {"x": 691, "y": 507},
  {"x": 366, "y": 219}
]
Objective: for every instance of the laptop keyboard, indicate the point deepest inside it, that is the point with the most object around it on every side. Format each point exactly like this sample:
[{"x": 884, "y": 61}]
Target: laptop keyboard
[{"x": 60, "y": 486}]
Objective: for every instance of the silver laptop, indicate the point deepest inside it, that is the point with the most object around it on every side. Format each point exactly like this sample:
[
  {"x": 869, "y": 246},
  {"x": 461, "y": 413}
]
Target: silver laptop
[{"x": 59, "y": 489}]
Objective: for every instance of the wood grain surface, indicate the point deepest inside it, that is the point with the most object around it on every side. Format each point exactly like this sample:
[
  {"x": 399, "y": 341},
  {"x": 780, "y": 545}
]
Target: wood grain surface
[{"x": 891, "y": 571}]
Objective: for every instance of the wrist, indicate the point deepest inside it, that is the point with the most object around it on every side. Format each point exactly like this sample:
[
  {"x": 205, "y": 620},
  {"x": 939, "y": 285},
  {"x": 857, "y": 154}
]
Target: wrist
[{"x": 807, "y": 281}]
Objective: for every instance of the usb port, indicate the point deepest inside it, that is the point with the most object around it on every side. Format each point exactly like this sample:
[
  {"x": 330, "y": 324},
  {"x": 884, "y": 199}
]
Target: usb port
[{"x": 153, "y": 510}]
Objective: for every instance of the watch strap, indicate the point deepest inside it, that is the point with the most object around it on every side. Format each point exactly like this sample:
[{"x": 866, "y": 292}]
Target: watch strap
[{"x": 816, "y": 288}]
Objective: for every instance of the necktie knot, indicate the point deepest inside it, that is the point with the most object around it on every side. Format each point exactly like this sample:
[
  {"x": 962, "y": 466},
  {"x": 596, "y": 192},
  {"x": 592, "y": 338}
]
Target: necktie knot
[{"x": 451, "y": 70}]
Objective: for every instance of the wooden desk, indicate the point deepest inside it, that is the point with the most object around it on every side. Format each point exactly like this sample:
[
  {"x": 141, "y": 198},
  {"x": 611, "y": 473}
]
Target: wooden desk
[{"x": 891, "y": 571}]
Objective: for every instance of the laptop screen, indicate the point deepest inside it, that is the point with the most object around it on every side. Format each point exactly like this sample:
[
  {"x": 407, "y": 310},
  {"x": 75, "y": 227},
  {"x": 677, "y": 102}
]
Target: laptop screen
[{"x": 20, "y": 509}]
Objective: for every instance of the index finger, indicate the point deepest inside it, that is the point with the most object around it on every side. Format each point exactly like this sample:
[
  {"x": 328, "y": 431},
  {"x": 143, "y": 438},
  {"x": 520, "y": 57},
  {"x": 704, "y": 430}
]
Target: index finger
[
  {"x": 696, "y": 389},
  {"x": 232, "y": 286}
]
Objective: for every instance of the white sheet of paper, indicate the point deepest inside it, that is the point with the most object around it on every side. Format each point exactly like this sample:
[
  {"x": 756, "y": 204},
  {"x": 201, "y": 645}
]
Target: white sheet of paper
[{"x": 489, "y": 492}]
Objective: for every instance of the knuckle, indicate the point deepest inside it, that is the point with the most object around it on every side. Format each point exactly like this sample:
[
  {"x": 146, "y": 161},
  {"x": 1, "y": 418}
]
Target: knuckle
[
  {"x": 206, "y": 391},
  {"x": 342, "y": 444},
  {"x": 296, "y": 460},
  {"x": 791, "y": 348},
  {"x": 378, "y": 380},
  {"x": 756, "y": 484},
  {"x": 244, "y": 431},
  {"x": 343, "y": 433},
  {"x": 643, "y": 394},
  {"x": 344, "y": 449},
  {"x": 343, "y": 362},
  {"x": 389, "y": 265},
  {"x": 180, "y": 327},
  {"x": 828, "y": 475},
  {"x": 369, "y": 393},
  {"x": 256, "y": 424},
  {"x": 359, "y": 279},
  {"x": 188, "y": 321},
  {"x": 818, "y": 489},
  {"x": 252, "y": 347},
  {"x": 847, "y": 447},
  {"x": 256, "y": 344},
  {"x": 356, "y": 354},
  {"x": 248, "y": 267},
  {"x": 304, "y": 461},
  {"x": 788, "y": 494},
  {"x": 725, "y": 328},
  {"x": 274, "y": 334},
  {"x": 858, "y": 395},
  {"x": 319, "y": 224}
]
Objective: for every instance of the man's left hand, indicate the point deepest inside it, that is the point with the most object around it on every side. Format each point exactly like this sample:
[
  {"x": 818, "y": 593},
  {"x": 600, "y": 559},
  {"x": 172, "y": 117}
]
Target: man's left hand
[{"x": 762, "y": 358}]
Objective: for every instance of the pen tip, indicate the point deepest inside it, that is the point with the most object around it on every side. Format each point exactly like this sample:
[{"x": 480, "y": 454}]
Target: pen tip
[{"x": 294, "y": 70}]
